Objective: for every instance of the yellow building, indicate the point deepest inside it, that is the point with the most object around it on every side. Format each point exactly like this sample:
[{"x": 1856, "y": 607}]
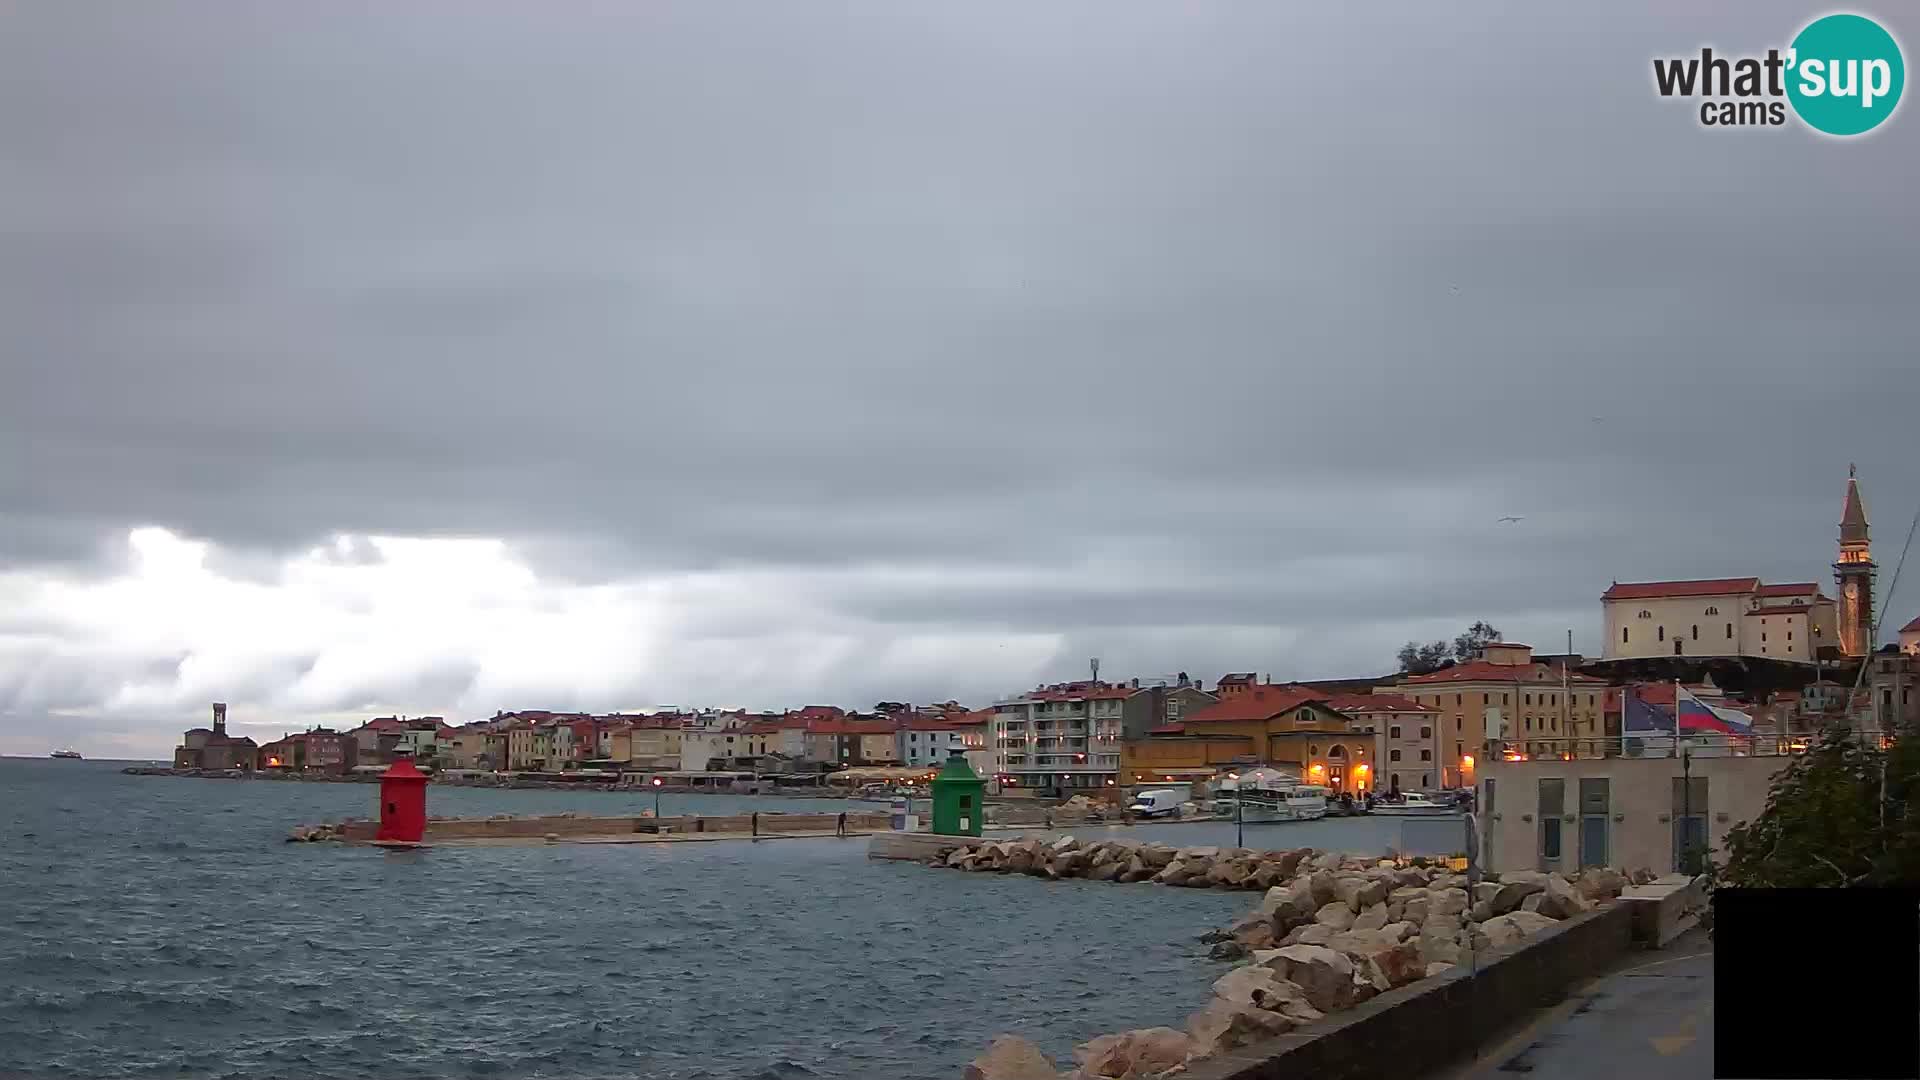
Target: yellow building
[
  {"x": 1505, "y": 695},
  {"x": 1261, "y": 724}
]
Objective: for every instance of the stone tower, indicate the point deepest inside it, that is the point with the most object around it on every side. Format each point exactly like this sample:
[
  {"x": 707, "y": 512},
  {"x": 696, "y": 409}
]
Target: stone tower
[{"x": 1854, "y": 573}]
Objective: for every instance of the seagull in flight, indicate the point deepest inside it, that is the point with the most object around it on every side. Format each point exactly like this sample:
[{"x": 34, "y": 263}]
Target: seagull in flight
[{"x": 1510, "y": 519}]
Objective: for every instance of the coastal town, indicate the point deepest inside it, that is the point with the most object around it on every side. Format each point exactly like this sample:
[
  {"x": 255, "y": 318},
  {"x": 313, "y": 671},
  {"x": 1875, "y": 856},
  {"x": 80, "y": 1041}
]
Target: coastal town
[{"x": 1732, "y": 674}]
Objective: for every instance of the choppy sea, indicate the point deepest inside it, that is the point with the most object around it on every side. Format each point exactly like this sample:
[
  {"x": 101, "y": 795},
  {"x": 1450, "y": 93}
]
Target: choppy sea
[{"x": 161, "y": 927}]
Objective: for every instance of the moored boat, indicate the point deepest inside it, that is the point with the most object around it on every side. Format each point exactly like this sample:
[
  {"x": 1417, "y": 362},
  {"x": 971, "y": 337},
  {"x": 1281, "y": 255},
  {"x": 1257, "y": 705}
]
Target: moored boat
[{"x": 1414, "y": 806}]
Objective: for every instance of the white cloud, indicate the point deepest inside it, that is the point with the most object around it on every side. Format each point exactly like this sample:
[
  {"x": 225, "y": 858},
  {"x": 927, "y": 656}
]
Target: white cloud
[{"x": 457, "y": 626}]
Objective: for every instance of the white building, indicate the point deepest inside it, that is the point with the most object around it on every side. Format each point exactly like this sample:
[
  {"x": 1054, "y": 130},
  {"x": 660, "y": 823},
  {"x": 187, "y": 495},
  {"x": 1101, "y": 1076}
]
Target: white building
[
  {"x": 1721, "y": 617},
  {"x": 1060, "y": 737}
]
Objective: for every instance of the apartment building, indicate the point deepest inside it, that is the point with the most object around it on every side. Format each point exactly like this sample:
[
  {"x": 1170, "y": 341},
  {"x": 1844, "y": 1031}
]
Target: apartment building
[
  {"x": 1406, "y": 737},
  {"x": 1060, "y": 738},
  {"x": 1504, "y": 694}
]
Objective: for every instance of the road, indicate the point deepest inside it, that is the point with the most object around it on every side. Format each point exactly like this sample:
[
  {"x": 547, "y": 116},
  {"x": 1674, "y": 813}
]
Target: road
[{"x": 1651, "y": 1021}]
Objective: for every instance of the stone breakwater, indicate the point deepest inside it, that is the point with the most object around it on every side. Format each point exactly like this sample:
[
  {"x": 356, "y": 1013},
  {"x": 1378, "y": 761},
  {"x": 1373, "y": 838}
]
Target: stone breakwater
[
  {"x": 573, "y": 826},
  {"x": 1331, "y": 931}
]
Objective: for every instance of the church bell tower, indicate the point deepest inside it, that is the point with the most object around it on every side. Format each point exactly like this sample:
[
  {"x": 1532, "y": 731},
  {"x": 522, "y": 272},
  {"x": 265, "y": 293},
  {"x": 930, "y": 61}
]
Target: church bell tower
[{"x": 1853, "y": 573}]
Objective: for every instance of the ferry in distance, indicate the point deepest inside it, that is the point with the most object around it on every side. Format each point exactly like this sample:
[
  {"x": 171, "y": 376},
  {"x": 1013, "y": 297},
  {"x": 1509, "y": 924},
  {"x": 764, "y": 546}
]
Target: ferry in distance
[{"x": 66, "y": 754}]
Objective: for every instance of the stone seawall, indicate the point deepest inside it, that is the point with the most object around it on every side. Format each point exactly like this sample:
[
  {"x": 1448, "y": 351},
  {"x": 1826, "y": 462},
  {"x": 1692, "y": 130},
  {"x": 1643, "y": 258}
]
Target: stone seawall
[
  {"x": 1438, "y": 1020},
  {"x": 572, "y": 826}
]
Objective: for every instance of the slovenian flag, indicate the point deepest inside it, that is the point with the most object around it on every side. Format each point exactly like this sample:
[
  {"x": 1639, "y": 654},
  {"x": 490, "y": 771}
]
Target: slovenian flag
[{"x": 1697, "y": 715}]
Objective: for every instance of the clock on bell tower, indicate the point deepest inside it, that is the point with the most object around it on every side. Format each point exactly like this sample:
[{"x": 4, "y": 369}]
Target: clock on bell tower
[{"x": 1853, "y": 572}]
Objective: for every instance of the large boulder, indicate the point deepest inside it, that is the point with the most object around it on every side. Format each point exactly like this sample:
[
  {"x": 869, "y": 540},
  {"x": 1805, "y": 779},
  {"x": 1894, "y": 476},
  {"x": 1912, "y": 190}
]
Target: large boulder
[
  {"x": 1292, "y": 901},
  {"x": 1485, "y": 891},
  {"x": 1019, "y": 861},
  {"x": 1323, "y": 882},
  {"x": 1223, "y": 1025},
  {"x": 1401, "y": 964},
  {"x": 1531, "y": 903},
  {"x": 1372, "y": 918},
  {"x": 1416, "y": 909},
  {"x": 1240, "y": 985},
  {"x": 1106, "y": 871},
  {"x": 1435, "y": 949},
  {"x": 1174, "y": 873},
  {"x": 1515, "y": 887},
  {"x": 1337, "y": 915},
  {"x": 1137, "y": 869},
  {"x": 1599, "y": 883},
  {"x": 1323, "y": 974},
  {"x": 1562, "y": 901},
  {"x": 1312, "y": 934},
  {"x": 1147, "y": 1052},
  {"x": 1515, "y": 926},
  {"x": 1289, "y": 861},
  {"x": 1481, "y": 911},
  {"x": 1446, "y": 901},
  {"x": 1360, "y": 893},
  {"x": 1438, "y": 969},
  {"x": 1011, "y": 1057}
]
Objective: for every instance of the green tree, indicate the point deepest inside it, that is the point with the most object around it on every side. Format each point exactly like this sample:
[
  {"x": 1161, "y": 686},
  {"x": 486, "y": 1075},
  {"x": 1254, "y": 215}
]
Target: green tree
[
  {"x": 1842, "y": 815},
  {"x": 1418, "y": 659},
  {"x": 1478, "y": 636}
]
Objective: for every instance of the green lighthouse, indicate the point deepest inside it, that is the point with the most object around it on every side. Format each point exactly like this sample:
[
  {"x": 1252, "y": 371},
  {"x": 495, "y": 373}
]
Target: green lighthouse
[{"x": 958, "y": 798}]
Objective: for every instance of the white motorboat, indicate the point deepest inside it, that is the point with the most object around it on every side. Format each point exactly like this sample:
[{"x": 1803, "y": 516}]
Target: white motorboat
[
  {"x": 1295, "y": 802},
  {"x": 1414, "y": 806}
]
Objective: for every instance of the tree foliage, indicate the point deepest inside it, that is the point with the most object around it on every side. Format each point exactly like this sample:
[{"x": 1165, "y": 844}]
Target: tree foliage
[
  {"x": 1842, "y": 815},
  {"x": 1417, "y": 658}
]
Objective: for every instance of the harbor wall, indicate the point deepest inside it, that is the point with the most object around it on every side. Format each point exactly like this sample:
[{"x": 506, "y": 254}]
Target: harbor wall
[
  {"x": 1441, "y": 1019},
  {"x": 571, "y": 825}
]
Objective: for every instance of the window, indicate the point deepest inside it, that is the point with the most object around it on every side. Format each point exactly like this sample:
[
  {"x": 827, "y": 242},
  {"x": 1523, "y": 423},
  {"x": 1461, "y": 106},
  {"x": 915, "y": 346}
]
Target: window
[
  {"x": 1623, "y": 637},
  {"x": 1529, "y": 699},
  {"x": 1394, "y": 780},
  {"x": 1645, "y": 614},
  {"x": 1393, "y": 755},
  {"x": 1456, "y": 723},
  {"x": 1553, "y": 797},
  {"x": 1696, "y": 631},
  {"x": 1763, "y": 633},
  {"x": 1459, "y": 699},
  {"x": 1426, "y": 755},
  {"x": 1503, "y": 699},
  {"x": 1484, "y": 699},
  {"x": 1661, "y": 634},
  {"x": 1789, "y": 635},
  {"x": 1426, "y": 732},
  {"x": 1393, "y": 732},
  {"x": 1529, "y": 723},
  {"x": 1729, "y": 631},
  {"x": 1426, "y": 779},
  {"x": 1713, "y": 611}
]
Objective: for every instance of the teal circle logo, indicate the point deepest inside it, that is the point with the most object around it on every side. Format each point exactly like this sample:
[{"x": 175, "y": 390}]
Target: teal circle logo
[{"x": 1846, "y": 75}]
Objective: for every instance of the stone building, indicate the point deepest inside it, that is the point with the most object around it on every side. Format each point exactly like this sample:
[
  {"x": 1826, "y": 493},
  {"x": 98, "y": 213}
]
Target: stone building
[
  {"x": 1504, "y": 694},
  {"x": 213, "y": 748},
  {"x": 1406, "y": 738},
  {"x": 1261, "y": 724}
]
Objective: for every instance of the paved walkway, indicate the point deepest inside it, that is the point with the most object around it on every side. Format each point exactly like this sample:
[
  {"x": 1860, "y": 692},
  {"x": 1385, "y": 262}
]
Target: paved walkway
[{"x": 1649, "y": 1021}]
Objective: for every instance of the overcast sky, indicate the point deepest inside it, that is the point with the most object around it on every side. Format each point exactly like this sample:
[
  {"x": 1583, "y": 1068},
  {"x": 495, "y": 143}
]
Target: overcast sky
[{"x": 451, "y": 357}]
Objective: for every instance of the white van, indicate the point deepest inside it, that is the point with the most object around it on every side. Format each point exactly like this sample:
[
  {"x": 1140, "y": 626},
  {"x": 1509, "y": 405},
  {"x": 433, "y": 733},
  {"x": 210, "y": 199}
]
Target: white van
[{"x": 1157, "y": 803}]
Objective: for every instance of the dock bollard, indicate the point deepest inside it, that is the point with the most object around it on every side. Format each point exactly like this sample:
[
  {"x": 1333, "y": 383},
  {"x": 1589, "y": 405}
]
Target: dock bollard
[{"x": 897, "y": 816}]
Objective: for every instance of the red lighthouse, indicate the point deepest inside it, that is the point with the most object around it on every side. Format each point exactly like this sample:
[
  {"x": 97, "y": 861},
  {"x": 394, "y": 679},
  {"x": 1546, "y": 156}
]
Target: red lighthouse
[{"x": 403, "y": 804}]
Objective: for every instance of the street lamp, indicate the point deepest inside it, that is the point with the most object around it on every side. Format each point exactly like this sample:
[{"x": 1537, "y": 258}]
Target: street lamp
[{"x": 656, "y": 796}]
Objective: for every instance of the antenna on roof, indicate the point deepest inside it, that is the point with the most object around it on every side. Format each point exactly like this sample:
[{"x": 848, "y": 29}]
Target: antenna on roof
[{"x": 1096, "y": 669}]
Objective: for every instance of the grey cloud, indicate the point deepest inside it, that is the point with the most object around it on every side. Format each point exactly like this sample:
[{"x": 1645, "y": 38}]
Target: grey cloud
[{"x": 1243, "y": 292}]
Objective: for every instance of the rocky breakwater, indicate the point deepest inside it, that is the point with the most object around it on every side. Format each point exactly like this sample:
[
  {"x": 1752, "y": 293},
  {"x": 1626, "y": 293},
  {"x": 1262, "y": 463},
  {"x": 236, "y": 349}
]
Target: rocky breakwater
[
  {"x": 1332, "y": 932},
  {"x": 1128, "y": 861}
]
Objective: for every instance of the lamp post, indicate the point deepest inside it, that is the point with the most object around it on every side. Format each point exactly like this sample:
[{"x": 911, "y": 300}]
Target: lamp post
[
  {"x": 656, "y": 797},
  {"x": 1239, "y": 819}
]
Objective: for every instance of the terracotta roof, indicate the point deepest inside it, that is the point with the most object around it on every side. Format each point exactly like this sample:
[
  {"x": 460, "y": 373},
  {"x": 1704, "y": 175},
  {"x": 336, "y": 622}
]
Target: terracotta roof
[
  {"x": 1364, "y": 703},
  {"x": 1912, "y": 627},
  {"x": 1484, "y": 671},
  {"x": 1653, "y": 590},
  {"x": 1797, "y": 588},
  {"x": 1257, "y": 703},
  {"x": 1175, "y": 728},
  {"x": 839, "y": 726}
]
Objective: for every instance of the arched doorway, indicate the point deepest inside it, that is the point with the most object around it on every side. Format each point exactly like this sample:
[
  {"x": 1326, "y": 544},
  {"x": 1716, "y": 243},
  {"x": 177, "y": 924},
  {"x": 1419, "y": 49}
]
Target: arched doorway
[{"x": 1337, "y": 767}]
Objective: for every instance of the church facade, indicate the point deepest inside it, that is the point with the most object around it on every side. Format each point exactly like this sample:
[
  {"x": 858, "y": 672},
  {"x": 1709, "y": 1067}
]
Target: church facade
[{"x": 1744, "y": 617}]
